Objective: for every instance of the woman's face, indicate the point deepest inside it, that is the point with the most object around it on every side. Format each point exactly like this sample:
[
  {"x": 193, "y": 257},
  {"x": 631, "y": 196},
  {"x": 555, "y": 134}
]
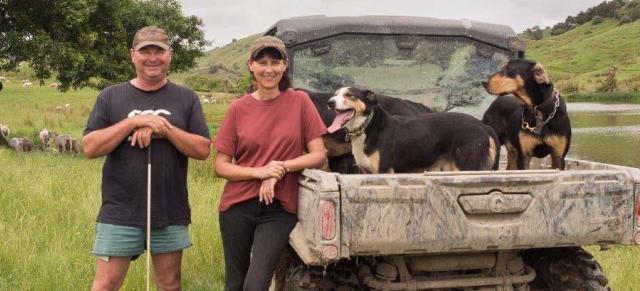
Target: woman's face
[{"x": 267, "y": 71}]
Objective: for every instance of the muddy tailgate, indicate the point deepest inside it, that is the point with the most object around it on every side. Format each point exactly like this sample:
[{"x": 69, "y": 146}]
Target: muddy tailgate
[
  {"x": 342, "y": 216},
  {"x": 458, "y": 212}
]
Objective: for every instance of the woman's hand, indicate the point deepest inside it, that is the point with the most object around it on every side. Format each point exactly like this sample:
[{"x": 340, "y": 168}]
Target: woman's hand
[
  {"x": 267, "y": 188},
  {"x": 274, "y": 169}
]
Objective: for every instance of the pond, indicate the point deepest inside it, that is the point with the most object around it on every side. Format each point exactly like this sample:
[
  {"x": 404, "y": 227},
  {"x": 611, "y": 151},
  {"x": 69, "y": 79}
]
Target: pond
[{"x": 608, "y": 133}]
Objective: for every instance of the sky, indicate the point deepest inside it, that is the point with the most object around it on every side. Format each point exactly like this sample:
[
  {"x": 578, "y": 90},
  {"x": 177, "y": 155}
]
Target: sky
[{"x": 225, "y": 20}]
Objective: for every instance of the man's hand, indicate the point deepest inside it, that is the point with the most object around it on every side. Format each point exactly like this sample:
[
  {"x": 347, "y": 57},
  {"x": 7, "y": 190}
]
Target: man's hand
[
  {"x": 142, "y": 136},
  {"x": 158, "y": 124},
  {"x": 274, "y": 169},
  {"x": 267, "y": 193}
]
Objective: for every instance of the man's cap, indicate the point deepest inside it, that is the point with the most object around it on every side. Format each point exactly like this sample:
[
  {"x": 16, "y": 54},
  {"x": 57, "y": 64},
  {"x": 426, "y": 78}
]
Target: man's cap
[
  {"x": 267, "y": 41},
  {"x": 151, "y": 35}
]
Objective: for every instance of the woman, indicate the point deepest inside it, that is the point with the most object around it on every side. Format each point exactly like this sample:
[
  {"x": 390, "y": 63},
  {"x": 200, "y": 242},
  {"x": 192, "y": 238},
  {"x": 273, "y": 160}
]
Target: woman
[{"x": 261, "y": 151}]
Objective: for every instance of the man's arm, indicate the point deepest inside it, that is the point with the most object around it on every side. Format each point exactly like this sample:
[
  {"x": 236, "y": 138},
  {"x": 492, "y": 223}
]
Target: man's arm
[
  {"x": 102, "y": 141},
  {"x": 189, "y": 144}
]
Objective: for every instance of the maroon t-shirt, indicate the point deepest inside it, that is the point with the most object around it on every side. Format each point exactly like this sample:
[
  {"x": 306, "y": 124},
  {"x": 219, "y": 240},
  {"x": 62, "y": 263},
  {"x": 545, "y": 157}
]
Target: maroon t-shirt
[{"x": 257, "y": 132}]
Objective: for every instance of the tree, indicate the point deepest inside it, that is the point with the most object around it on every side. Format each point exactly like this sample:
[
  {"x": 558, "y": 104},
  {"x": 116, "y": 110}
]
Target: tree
[
  {"x": 86, "y": 42},
  {"x": 536, "y": 33}
]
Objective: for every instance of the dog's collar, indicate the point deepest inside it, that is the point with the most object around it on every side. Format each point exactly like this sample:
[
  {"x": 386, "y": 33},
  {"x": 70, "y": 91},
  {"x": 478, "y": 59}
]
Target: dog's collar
[
  {"x": 537, "y": 130},
  {"x": 359, "y": 131}
]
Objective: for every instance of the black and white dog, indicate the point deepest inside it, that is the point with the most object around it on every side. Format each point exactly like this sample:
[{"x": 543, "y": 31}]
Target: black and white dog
[
  {"x": 338, "y": 145},
  {"x": 385, "y": 143}
]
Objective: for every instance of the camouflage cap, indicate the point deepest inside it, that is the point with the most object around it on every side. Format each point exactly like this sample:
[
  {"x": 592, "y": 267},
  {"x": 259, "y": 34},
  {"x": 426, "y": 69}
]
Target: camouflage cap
[
  {"x": 267, "y": 41},
  {"x": 150, "y": 35}
]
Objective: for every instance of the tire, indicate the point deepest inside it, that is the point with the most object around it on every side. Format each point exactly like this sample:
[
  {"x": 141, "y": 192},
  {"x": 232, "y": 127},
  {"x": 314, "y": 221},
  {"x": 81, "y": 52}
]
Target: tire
[
  {"x": 300, "y": 277},
  {"x": 565, "y": 269}
]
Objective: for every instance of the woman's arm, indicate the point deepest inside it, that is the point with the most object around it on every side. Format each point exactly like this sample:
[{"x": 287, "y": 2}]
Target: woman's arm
[
  {"x": 225, "y": 168},
  {"x": 313, "y": 159}
]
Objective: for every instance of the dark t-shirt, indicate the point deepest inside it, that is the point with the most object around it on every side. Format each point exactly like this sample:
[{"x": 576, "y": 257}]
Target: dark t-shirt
[
  {"x": 124, "y": 175},
  {"x": 256, "y": 132}
]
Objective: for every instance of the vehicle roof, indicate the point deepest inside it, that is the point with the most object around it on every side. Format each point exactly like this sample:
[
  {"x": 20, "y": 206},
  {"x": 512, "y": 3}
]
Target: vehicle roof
[{"x": 300, "y": 30}]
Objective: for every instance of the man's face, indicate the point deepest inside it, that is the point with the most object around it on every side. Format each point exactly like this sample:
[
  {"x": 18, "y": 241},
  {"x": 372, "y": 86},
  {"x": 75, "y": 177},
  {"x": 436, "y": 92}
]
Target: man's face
[{"x": 151, "y": 62}]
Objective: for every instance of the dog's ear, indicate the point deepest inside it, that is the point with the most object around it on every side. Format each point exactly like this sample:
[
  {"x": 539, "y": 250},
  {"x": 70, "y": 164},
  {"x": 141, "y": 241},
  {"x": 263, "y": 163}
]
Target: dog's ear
[
  {"x": 371, "y": 97},
  {"x": 539, "y": 74}
]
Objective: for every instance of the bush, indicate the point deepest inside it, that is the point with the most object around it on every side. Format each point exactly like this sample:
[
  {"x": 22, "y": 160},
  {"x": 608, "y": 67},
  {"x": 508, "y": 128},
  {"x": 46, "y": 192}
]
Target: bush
[
  {"x": 567, "y": 87},
  {"x": 201, "y": 83},
  {"x": 536, "y": 33},
  {"x": 243, "y": 85},
  {"x": 625, "y": 19},
  {"x": 597, "y": 20}
]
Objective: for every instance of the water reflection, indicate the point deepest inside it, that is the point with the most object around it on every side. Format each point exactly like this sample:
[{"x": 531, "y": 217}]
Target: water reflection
[{"x": 607, "y": 133}]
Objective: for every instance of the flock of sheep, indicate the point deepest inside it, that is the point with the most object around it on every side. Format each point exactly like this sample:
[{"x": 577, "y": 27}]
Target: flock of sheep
[
  {"x": 26, "y": 83},
  {"x": 60, "y": 143}
]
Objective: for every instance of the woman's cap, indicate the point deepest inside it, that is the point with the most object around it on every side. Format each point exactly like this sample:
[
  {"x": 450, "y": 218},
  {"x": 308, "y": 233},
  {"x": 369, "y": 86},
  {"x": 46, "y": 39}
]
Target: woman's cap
[
  {"x": 151, "y": 35},
  {"x": 267, "y": 41}
]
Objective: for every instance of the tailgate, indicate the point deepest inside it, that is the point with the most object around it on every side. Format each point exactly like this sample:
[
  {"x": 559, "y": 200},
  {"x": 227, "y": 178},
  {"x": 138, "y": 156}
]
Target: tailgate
[{"x": 474, "y": 211}]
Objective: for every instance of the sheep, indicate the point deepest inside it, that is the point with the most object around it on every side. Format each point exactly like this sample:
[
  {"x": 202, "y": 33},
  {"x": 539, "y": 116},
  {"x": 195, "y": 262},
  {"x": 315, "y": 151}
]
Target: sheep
[
  {"x": 4, "y": 130},
  {"x": 27, "y": 145},
  {"x": 26, "y": 84},
  {"x": 21, "y": 144},
  {"x": 2, "y": 78},
  {"x": 15, "y": 144},
  {"x": 66, "y": 143},
  {"x": 54, "y": 85},
  {"x": 45, "y": 135}
]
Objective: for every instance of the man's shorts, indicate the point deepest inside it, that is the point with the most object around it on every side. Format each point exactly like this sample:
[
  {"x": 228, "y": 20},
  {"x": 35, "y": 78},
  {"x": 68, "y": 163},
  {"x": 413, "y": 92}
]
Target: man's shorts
[{"x": 127, "y": 241}]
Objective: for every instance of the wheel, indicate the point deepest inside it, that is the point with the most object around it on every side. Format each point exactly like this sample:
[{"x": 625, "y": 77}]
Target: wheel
[
  {"x": 300, "y": 277},
  {"x": 337, "y": 277},
  {"x": 565, "y": 269}
]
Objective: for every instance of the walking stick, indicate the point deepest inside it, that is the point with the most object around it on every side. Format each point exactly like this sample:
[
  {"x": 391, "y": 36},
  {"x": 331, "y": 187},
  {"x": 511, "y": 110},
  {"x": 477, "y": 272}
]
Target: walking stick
[{"x": 148, "y": 214}]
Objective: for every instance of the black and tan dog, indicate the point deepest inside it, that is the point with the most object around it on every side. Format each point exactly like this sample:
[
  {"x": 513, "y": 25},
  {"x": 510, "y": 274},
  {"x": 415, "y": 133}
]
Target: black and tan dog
[
  {"x": 337, "y": 143},
  {"x": 439, "y": 141},
  {"x": 535, "y": 122}
]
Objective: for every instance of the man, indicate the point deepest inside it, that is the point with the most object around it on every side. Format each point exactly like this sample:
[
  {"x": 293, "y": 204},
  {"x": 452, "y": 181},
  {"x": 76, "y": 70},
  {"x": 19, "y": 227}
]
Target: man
[{"x": 148, "y": 113}]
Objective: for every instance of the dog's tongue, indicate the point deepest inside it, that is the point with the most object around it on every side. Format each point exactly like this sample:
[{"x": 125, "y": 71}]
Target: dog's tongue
[{"x": 341, "y": 119}]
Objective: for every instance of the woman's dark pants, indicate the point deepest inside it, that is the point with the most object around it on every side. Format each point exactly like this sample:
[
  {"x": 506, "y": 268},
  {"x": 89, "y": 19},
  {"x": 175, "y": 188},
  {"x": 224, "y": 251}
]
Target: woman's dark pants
[{"x": 254, "y": 235}]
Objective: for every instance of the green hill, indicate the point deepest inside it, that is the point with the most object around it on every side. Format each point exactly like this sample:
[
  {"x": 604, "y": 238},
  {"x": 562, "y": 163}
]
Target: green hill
[
  {"x": 583, "y": 59},
  {"x": 219, "y": 69}
]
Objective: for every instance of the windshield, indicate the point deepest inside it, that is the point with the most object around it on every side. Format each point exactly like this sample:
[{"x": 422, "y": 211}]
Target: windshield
[{"x": 443, "y": 73}]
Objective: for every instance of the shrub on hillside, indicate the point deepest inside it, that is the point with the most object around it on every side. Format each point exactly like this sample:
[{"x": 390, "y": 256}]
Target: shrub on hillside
[
  {"x": 597, "y": 20},
  {"x": 625, "y": 19},
  {"x": 567, "y": 86},
  {"x": 610, "y": 83},
  {"x": 629, "y": 13},
  {"x": 536, "y": 33},
  {"x": 243, "y": 85},
  {"x": 559, "y": 28},
  {"x": 201, "y": 83}
]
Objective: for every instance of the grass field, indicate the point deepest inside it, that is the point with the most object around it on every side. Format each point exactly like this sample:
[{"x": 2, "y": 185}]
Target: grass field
[
  {"x": 48, "y": 205},
  {"x": 581, "y": 57}
]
